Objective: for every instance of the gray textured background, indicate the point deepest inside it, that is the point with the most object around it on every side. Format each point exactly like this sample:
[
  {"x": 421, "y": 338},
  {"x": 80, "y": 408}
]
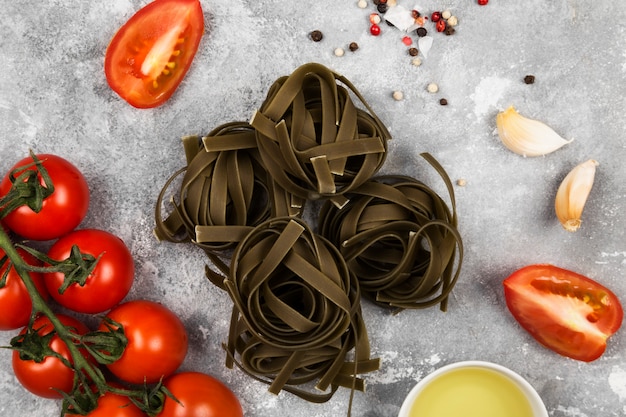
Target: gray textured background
[{"x": 54, "y": 98}]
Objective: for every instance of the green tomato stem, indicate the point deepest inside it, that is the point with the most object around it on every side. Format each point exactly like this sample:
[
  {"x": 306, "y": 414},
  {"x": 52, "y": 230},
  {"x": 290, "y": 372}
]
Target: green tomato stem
[{"x": 141, "y": 398}]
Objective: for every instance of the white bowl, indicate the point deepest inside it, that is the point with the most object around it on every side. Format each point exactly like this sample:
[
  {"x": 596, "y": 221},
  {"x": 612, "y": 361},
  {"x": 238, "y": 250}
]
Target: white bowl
[{"x": 439, "y": 393}]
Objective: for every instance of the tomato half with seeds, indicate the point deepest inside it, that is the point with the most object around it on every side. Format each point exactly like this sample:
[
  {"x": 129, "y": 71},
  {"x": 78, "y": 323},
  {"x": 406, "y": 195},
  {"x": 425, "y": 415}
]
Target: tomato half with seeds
[
  {"x": 567, "y": 312},
  {"x": 150, "y": 54}
]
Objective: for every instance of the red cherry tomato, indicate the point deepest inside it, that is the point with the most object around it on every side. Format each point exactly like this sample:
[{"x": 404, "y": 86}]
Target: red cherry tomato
[
  {"x": 157, "y": 342},
  {"x": 199, "y": 395},
  {"x": 62, "y": 211},
  {"x": 45, "y": 378},
  {"x": 15, "y": 303},
  {"x": 109, "y": 282},
  {"x": 114, "y": 405},
  {"x": 149, "y": 56},
  {"x": 564, "y": 311}
]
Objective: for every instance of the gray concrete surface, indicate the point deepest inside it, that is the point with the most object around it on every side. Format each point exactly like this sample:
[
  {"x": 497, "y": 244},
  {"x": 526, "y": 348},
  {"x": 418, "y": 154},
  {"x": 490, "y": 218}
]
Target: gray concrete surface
[{"x": 54, "y": 98}]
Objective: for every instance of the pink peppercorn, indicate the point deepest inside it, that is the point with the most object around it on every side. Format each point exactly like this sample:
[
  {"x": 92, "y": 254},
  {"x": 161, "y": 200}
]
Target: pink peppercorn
[
  {"x": 375, "y": 30},
  {"x": 441, "y": 25},
  {"x": 435, "y": 17},
  {"x": 483, "y": 2},
  {"x": 407, "y": 40}
]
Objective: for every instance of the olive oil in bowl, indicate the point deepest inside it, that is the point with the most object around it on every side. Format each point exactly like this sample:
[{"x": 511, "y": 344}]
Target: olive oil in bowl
[{"x": 473, "y": 389}]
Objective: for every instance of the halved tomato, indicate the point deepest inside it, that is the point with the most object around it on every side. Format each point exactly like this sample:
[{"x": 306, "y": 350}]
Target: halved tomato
[
  {"x": 563, "y": 310},
  {"x": 150, "y": 55}
]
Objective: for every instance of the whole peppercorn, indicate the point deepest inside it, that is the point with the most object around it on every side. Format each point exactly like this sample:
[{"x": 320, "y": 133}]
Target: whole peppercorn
[
  {"x": 415, "y": 14},
  {"x": 441, "y": 25},
  {"x": 482, "y": 2},
  {"x": 443, "y": 102},
  {"x": 435, "y": 17},
  {"x": 421, "y": 32},
  {"x": 413, "y": 51},
  {"x": 375, "y": 30},
  {"x": 382, "y": 7},
  {"x": 449, "y": 30},
  {"x": 529, "y": 79},
  {"x": 353, "y": 46},
  {"x": 316, "y": 35}
]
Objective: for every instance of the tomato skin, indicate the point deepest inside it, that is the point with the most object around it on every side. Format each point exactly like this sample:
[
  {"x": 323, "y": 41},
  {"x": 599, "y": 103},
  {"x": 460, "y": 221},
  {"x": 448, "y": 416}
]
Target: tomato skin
[
  {"x": 200, "y": 395},
  {"x": 62, "y": 211},
  {"x": 114, "y": 405},
  {"x": 151, "y": 36},
  {"x": 42, "y": 378},
  {"x": 109, "y": 282},
  {"x": 157, "y": 341},
  {"x": 563, "y": 310},
  {"x": 15, "y": 303}
]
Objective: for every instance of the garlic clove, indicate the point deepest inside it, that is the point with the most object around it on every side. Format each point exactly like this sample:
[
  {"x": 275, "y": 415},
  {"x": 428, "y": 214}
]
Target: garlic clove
[
  {"x": 527, "y": 137},
  {"x": 572, "y": 194}
]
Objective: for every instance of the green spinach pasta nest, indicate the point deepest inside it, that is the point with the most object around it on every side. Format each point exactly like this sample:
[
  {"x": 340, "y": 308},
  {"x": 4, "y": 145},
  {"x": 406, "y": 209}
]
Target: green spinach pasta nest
[
  {"x": 297, "y": 314},
  {"x": 313, "y": 139},
  {"x": 224, "y": 191},
  {"x": 399, "y": 238}
]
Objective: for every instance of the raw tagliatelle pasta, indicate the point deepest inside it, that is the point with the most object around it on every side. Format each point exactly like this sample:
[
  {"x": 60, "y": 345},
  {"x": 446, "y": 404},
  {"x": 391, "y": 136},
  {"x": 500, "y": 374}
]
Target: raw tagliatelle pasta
[
  {"x": 297, "y": 314},
  {"x": 399, "y": 238},
  {"x": 313, "y": 139},
  {"x": 224, "y": 192}
]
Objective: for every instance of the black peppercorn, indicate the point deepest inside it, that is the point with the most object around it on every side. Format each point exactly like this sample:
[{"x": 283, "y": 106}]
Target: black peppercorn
[
  {"x": 316, "y": 35},
  {"x": 421, "y": 32},
  {"x": 382, "y": 8},
  {"x": 443, "y": 102},
  {"x": 449, "y": 30},
  {"x": 529, "y": 79},
  {"x": 413, "y": 51},
  {"x": 353, "y": 46}
]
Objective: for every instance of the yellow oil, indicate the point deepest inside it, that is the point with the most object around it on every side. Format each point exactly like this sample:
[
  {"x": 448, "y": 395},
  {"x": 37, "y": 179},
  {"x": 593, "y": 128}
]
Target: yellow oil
[{"x": 471, "y": 392}]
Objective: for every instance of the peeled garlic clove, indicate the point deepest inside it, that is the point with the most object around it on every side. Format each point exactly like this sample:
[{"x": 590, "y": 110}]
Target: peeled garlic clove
[
  {"x": 572, "y": 194},
  {"x": 527, "y": 137}
]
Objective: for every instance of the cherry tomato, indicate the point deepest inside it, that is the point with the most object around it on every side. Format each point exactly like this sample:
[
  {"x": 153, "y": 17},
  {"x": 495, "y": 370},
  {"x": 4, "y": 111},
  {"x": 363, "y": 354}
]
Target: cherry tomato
[
  {"x": 44, "y": 378},
  {"x": 199, "y": 395},
  {"x": 157, "y": 341},
  {"x": 563, "y": 310},
  {"x": 151, "y": 53},
  {"x": 15, "y": 303},
  {"x": 61, "y": 212},
  {"x": 108, "y": 283},
  {"x": 114, "y": 405}
]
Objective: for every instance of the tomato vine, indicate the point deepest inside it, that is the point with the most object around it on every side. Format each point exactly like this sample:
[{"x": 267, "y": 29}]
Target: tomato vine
[{"x": 102, "y": 347}]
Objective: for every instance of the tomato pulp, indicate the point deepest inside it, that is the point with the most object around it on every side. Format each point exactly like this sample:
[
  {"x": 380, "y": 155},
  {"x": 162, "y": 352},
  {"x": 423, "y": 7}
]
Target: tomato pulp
[
  {"x": 563, "y": 310},
  {"x": 151, "y": 53}
]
